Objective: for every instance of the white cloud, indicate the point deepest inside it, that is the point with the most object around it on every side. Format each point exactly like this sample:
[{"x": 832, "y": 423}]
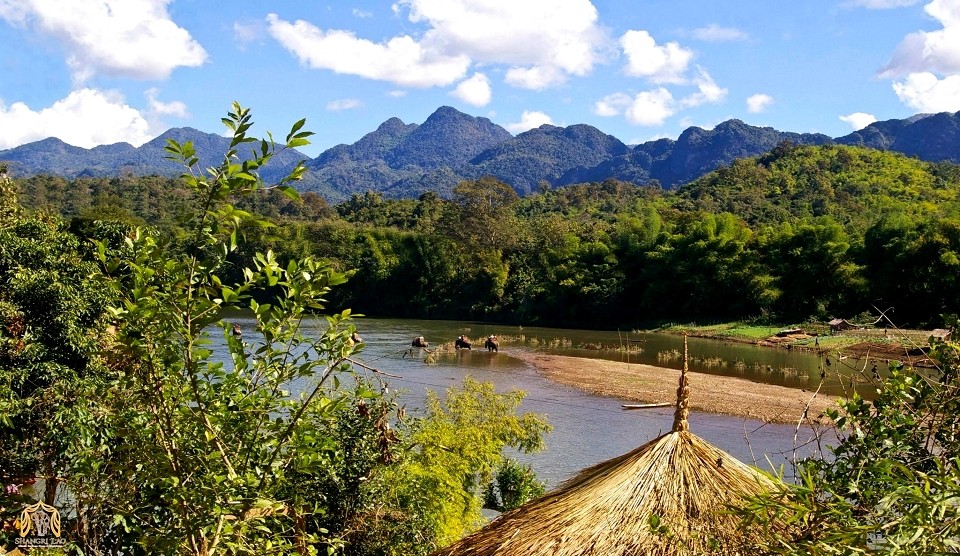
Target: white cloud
[
  {"x": 15, "y": 12},
  {"x": 357, "y": 12},
  {"x": 125, "y": 38},
  {"x": 474, "y": 91},
  {"x": 535, "y": 78},
  {"x": 708, "y": 92},
  {"x": 245, "y": 33},
  {"x": 660, "y": 63},
  {"x": 397, "y": 93},
  {"x": 401, "y": 60},
  {"x": 858, "y": 120},
  {"x": 344, "y": 104},
  {"x": 926, "y": 92},
  {"x": 158, "y": 108},
  {"x": 928, "y": 63},
  {"x": 930, "y": 51},
  {"x": 529, "y": 120},
  {"x": 612, "y": 105},
  {"x": 541, "y": 44},
  {"x": 716, "y": 33},
  {"x": 758, "y": 103},
  {"x": 651, "y": 108},
  {"x": 85, "y": 118}
]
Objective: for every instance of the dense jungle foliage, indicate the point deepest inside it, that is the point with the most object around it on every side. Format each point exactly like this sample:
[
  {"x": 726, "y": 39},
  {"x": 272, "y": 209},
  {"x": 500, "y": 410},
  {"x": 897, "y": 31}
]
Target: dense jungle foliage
[{"x": 802, "y": 232}]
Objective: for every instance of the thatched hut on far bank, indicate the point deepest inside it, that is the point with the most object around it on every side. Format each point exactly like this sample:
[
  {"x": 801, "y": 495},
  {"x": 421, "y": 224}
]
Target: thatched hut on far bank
[{"x": 668, "y": 497}]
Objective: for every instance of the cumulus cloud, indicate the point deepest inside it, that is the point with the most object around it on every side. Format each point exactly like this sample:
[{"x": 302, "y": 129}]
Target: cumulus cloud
[
  {"x": 401, "y": 60},
  {"x": 553, "y": 39},
  {"x": 708, "y": 92},
  {"x": 716, "y": 33},
  {"x": 541, "y": 45},
  {"x": 858, "y": 120},
  {"x": 158, "y": 108},
  {"x": 651, "y": 108},
  {"x": 927, "y": 63},
  {"x": 535, "y": 78},
  {"x": 343, "y": 104},
  {"x": 758, "y": 103},
  {"x": 121, "y": 38},
  {"x": 925, "y": 92},
  {"x": 85, "y": 118},
  {"x": 474, "y": 91},
  {"x": 664, "y": 64},
  {"x": 930, "y": 51},
  {"x": 612, "y": 105},
  {"x": 529, "y": 120},
  {"x": 660, "y": 63}
]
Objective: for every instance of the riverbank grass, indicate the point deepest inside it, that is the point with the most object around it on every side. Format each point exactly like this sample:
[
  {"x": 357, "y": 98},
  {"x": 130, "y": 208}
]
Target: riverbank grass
[{"x": 803, "y": 336}]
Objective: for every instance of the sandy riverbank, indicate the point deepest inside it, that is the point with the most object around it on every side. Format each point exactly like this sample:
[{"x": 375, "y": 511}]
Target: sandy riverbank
[{"x": 650, "y": 384}]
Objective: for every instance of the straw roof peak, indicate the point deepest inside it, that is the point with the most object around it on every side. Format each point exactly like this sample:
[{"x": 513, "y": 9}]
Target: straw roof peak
[{"x": 668, "y": 497}]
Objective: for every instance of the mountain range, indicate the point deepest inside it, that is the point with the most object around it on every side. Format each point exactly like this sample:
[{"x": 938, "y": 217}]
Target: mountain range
[{"x": 403, "y": 160}]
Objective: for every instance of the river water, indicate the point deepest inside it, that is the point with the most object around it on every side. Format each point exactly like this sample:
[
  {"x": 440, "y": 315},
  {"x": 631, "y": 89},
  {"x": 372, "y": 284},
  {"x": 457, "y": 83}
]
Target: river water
[{"x": 587, "y": 429}]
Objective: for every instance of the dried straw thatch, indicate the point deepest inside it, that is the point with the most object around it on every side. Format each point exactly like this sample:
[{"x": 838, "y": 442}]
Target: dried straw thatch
[{"x": 668, "y": 497}]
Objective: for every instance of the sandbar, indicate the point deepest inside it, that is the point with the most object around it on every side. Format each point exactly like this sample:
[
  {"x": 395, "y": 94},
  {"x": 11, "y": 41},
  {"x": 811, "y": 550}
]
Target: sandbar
[{"x": 709, "y": 393}]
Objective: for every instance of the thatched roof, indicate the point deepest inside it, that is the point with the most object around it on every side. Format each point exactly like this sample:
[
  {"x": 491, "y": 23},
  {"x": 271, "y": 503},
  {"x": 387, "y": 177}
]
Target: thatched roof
[
  {"x": 941, "y": 333},
  {"x": 667, "y": 497}
]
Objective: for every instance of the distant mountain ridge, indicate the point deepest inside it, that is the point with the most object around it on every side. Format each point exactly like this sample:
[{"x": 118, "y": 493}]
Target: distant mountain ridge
[
  {"x": 405, "y": 160},
  {"x": 53, "y": 156}
]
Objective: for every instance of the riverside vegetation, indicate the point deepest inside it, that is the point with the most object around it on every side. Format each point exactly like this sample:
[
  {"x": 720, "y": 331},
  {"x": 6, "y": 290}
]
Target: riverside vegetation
[
  {"x": 802, "y": 232},
  {"x": 109, "y": 393}
]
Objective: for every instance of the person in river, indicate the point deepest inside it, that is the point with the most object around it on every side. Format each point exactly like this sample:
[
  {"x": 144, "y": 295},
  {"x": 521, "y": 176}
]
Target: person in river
[
  {"x": 492, "y": 344},
  {"x": 462, "y": 342},
  {"x": 237, "y": 333},
  {"x": 419, "y": 342}
]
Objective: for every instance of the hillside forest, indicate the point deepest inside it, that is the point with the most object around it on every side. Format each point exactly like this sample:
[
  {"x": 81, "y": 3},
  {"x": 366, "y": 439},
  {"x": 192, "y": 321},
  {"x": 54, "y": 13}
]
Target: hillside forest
[{"x": 803, "y": 232}]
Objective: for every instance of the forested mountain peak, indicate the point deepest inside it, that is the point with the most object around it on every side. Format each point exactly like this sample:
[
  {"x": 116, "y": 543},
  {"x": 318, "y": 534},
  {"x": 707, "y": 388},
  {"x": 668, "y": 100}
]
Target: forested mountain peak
[
  {"x": 545, "y": 154},
  {"x": 374, "y": 145},
  {"x": 447, "y": 138}
]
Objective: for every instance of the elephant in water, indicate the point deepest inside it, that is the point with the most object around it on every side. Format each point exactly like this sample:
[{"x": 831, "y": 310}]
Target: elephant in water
[
  {"x": 419, "y": 342},
  {"x": 492, "y": 344},
  {"x": 462, "y": 342}
]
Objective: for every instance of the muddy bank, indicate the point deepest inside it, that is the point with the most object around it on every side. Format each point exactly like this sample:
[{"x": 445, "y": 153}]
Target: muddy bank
[
  {"x": 910, "y": 347},
  {"x": 651, "y": 384}
]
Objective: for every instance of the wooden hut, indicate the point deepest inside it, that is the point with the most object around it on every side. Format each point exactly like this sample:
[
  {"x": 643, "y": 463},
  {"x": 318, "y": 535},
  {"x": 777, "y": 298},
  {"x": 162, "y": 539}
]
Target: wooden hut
[
  {"x": 837, "y": 325},
  {"x": 667, "y": 497}
]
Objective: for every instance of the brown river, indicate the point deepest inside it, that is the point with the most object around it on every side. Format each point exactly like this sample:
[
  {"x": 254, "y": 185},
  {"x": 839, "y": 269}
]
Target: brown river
[{"x": 587, "y": 428}]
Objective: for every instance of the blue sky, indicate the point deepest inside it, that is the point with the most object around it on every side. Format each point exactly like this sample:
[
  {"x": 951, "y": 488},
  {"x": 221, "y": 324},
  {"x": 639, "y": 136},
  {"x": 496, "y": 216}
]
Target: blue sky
[{"x": 97, "y": 72}]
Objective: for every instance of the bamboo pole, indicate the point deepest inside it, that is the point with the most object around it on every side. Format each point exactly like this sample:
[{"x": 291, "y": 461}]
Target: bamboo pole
[{"x": 683, "y": 394}]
